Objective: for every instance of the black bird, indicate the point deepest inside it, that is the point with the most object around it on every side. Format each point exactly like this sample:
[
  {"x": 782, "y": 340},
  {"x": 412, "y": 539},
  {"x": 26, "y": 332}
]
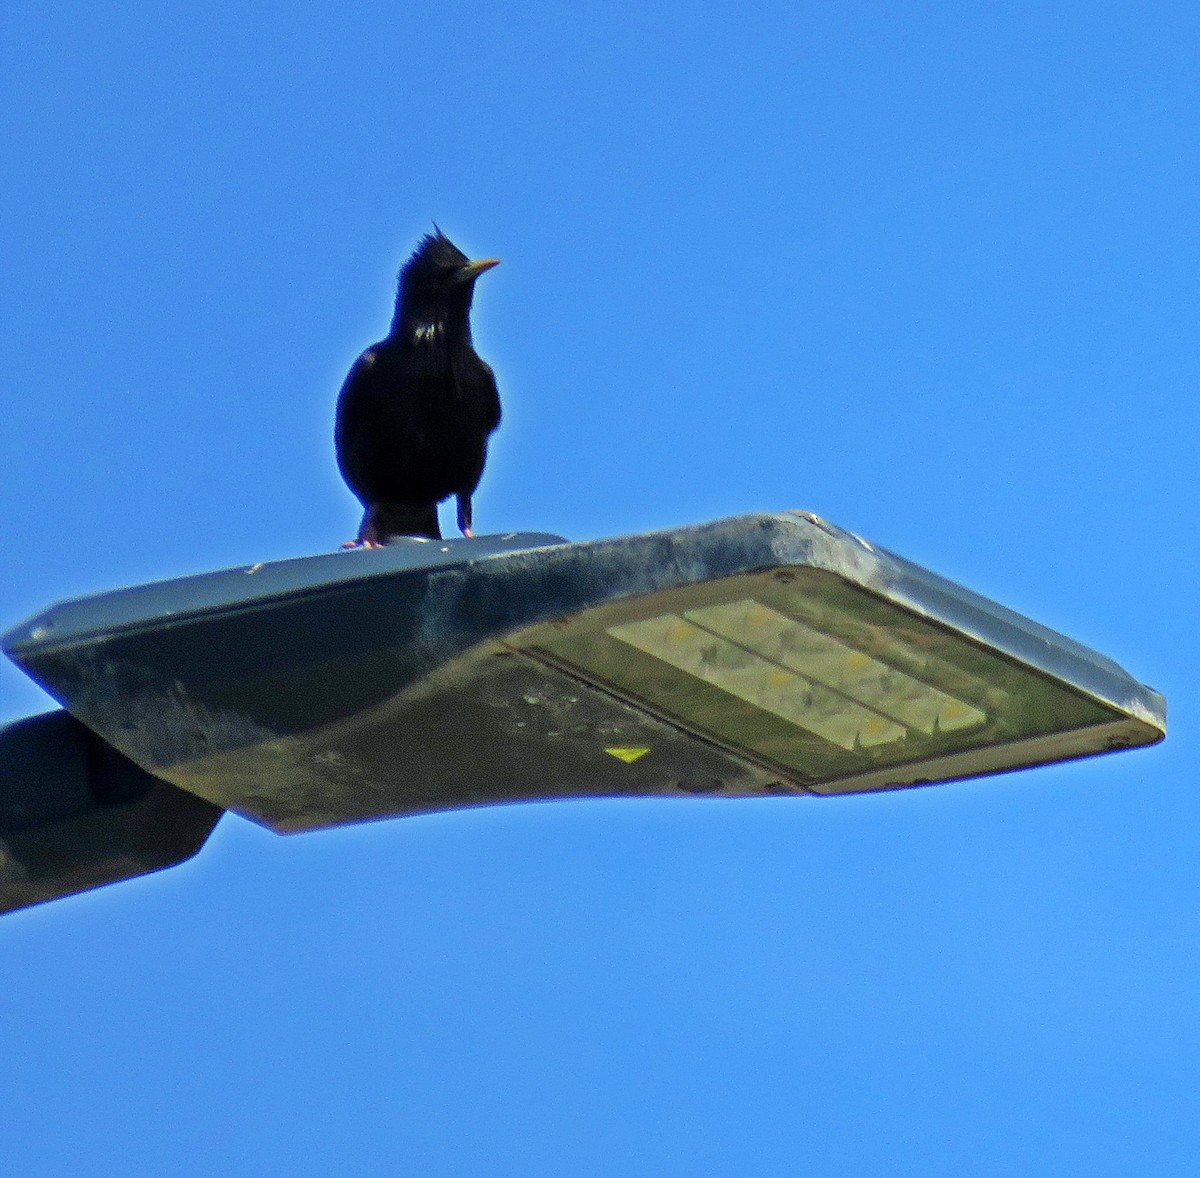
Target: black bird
[{"x": 414, "y": 415}]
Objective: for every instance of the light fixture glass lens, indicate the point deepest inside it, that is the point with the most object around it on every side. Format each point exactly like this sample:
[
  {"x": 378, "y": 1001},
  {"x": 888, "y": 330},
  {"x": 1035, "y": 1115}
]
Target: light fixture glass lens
[{"x": 813, "y": 674}]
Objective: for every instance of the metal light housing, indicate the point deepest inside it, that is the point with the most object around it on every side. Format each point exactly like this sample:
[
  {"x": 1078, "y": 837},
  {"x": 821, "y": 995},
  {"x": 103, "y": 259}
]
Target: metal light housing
[{"x": 765, "y": 654}]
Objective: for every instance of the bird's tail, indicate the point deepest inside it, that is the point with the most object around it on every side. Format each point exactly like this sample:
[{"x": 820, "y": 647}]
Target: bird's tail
[{"x": 384, "y": 520}]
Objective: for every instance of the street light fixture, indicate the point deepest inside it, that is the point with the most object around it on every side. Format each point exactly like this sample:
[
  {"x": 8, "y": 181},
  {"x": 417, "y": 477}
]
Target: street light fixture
[{"x": 759, "y": 655}]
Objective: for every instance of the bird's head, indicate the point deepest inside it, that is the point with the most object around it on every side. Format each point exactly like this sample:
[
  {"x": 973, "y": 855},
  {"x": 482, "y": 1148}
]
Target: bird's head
[{"x": 438, "y": 279}]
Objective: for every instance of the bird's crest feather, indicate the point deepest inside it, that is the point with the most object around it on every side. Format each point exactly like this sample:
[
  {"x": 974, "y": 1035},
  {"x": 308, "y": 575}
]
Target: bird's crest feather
[{"x": 435, "y": 251}]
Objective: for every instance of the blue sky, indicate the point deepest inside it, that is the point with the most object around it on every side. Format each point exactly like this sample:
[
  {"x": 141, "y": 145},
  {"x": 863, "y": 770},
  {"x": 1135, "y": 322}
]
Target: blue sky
[{"x": 929, "y": 270}]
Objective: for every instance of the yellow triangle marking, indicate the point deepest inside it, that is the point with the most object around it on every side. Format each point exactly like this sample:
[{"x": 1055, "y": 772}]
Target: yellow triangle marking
[{"x": 628, "y": 755}]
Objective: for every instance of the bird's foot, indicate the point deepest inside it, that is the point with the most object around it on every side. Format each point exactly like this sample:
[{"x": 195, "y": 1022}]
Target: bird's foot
[
  {"x": 465, "y": 516},
  {"x": 368, "y": 532}
]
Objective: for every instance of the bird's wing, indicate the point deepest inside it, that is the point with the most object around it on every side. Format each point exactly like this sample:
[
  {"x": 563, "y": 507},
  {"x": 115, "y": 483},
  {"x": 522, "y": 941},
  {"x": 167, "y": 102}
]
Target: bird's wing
[
  {"x": 489, "y": 400},
  {"x": 351, "y": 422}
]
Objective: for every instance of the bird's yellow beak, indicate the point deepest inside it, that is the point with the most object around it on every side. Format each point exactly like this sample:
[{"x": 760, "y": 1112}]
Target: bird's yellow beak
[{"x": 472, "y": 270}]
